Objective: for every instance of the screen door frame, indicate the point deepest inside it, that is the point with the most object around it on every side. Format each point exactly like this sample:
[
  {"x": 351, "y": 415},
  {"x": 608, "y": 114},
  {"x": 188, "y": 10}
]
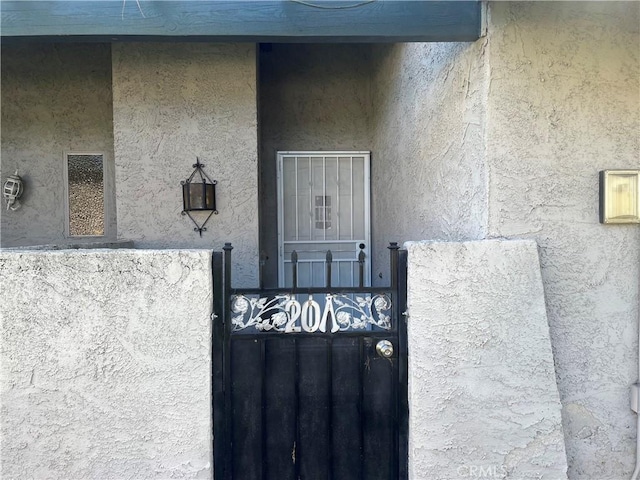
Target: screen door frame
[{"x": 367, "y": 205}]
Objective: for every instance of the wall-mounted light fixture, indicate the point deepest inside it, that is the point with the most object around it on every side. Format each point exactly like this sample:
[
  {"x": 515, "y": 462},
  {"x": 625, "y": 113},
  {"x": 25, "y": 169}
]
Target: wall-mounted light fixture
[
  {"x": 199, "y": 196},
  {"x": 620, "y": 196},
  {"x": 12, "y": 191}
]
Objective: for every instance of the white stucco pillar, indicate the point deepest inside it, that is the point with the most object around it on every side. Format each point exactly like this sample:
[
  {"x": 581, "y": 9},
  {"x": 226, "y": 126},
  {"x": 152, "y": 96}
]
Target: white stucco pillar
[{"x": 483, "y": 399}]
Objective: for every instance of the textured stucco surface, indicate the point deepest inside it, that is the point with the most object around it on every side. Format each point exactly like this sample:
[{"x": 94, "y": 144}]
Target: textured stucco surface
[
  {"x": 428, "y": 174},
  {"x": 173, "y": 103},
  {"x": 106, "y": 364},
  {"x": 55, "y": 98},
  {"x": 312, "y": 97},
  {"x": 563, "y": 103},
  {"x": 417, "y": 107},
  {"x": 500, "y": 138},
  {"x": 482, "y": 387}
]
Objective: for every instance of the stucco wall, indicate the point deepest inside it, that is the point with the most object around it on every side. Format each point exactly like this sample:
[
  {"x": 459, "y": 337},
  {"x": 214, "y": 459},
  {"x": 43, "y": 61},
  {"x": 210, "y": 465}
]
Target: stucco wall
[
  {"x": 428, "y": 173},
  {"x": 563, "y": 103},
  {"x": 105, "y": 368},
  {"x": 312, "y": 97},
  {"x": 504, "y": 138},
  {"x": 55, "y": 98},
  {"x": 483, "y": 400},
  {"x": 172, "y": 103}
]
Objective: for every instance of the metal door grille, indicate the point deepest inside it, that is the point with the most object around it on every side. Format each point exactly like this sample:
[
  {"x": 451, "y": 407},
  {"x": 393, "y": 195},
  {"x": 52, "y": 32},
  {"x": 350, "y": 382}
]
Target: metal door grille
[{"x": 323, "y": 203}]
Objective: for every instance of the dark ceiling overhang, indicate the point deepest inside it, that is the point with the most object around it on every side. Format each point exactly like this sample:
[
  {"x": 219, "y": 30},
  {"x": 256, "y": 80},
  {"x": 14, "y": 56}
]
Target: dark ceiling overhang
[{"x": 329, "y": 21}]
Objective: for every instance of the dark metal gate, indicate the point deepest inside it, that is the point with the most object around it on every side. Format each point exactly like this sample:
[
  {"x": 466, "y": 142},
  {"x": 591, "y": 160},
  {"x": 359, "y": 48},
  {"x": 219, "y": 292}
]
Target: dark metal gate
[{"x": 310, "y": 383}]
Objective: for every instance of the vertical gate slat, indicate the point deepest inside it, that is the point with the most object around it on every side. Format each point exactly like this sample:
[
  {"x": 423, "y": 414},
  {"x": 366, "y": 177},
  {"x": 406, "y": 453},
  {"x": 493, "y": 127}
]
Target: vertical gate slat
[
  {"x": 329, "y": 417},
  {"x": 394, "y": 421},
  {"x": 263, "y": 408},
  {"x": 227, "y": 460},
  {"x": 246, "y": 398},
  {"x": 280, "y": 417},
  {"x": 361, "y": 404},
  {"x": 345, "y": 414},
  {"x": 312, "y": 415},
  {"x": 294, "y": 452},
  {"x": 395, "y": 279},
  {"x": 403, "y": 373},
  {"x": 217, "y": 369},
  {"x": 377, "y": 420}
]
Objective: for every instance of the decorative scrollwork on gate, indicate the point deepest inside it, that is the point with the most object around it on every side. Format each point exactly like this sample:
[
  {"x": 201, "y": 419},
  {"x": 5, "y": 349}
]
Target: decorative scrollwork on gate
[{"x": 285, "y": 313}]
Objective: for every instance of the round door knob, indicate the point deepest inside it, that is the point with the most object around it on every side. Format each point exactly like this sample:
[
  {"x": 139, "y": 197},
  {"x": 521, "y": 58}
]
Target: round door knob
[{"x": 384, "y": 348}]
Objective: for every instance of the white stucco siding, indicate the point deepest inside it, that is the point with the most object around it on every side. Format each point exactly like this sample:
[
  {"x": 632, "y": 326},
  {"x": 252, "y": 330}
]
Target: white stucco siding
[
  {"x": 428, "y": 174},
  {"x": 56, "y": 98},
  {"x": 172, "y": 103},
  {"x": 564, "y": 103},
  {"x": 483, "y": 400},
  {"x": 106, "y": 364}
]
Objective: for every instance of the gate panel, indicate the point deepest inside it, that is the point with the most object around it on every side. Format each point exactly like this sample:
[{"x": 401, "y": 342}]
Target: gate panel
[{"x": 303, "y": 392}]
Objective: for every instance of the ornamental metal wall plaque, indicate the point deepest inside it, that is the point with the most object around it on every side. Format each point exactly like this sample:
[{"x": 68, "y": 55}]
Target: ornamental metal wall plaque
[{"x": 285, "y": 313}]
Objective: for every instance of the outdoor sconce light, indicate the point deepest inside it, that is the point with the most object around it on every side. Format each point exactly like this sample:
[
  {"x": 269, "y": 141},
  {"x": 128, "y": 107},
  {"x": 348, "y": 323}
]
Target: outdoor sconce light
[
  {"x": 199, "y": 196},
  {"x": 620, "y": 196},
  {"x": 12, "y": 191}
]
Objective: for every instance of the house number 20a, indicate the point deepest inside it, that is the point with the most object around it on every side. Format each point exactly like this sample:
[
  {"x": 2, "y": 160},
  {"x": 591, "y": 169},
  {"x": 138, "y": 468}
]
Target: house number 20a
[
  {"x": 309, "y": 317},
  {"x": 334, "y": 313}
]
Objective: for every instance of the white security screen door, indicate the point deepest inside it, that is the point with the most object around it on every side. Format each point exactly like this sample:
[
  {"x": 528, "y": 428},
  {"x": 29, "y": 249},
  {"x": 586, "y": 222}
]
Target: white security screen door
[{"x": 323, "y": 204}]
